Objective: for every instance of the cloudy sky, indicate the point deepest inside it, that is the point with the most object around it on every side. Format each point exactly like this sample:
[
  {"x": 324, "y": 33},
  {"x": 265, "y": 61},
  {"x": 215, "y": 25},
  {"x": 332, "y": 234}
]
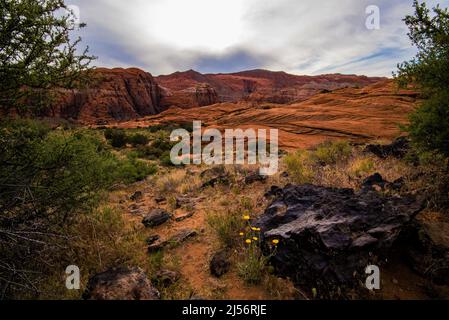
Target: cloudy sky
[{"x": 296, "y": 36}]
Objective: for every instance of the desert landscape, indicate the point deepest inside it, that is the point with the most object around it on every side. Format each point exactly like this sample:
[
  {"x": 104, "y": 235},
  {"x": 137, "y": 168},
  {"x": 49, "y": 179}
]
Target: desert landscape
[{"x": 88, "y": 186}]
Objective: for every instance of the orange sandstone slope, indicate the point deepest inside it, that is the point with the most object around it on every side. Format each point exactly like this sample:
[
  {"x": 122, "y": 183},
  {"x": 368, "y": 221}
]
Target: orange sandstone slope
[{"x": 360, "y": 115}]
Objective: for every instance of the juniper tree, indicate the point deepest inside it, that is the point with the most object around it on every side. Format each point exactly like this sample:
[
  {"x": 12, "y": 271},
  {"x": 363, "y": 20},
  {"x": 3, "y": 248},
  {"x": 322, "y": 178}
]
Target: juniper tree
[
  {"x": 37, "y": 52},
  {"x": 429, "y": 70}
]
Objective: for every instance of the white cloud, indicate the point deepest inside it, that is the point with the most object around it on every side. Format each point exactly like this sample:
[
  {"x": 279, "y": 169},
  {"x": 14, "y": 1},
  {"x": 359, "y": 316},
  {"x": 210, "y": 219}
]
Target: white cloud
[{"x": 304, "y": 37}]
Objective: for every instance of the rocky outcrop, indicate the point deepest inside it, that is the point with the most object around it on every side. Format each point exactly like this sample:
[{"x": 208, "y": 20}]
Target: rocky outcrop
[
  {"x": 115, "y": 95},
  {"x": 174, "y": 241},
  {"x": 329, "y": 236},
  {"x": 397, "y": 149},
  {"x": 121, "y": 284},
  {"x": 166, "y": 278},
  {"x": 427, "y": 247},
  {"x": 220, "y": 263},
  {"x": 200, "y": 95},
  {"x": 376, "y": 180},
  {"x": 156, "y": 217}
]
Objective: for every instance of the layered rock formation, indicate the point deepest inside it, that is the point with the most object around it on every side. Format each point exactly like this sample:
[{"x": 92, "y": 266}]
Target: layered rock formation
[
  {"x": 261, "y": 85},
  {"x": 129, "y": 94},
  {"x": 359, "y": 115},
  {"x": 198, "y": 96},
  {"x": 117, "y": 94}
]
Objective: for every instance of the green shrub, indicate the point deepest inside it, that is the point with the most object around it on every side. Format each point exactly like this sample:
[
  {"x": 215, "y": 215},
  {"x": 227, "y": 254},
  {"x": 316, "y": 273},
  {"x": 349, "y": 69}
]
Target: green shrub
[
  {"x": 48, "y": 181},
  {"x": 361, "y": 167},
  {"x": 329, "y": 153},
  {"x": 227, "y": 225},
  {"x": 165, "y": 159},
  {"x": 429, "y": 33},
  {"x": 138, "y": 139},
  {"x": 162, "y": 143},
  {"x": 253, "y": 266},
  {"x": 117, "y": 137},
  {"x": 149, "y": 152},
  {"x": 132, "y": 170},
  {"x": 168, "y": 127},
  {"x": 298, "y": 167}
]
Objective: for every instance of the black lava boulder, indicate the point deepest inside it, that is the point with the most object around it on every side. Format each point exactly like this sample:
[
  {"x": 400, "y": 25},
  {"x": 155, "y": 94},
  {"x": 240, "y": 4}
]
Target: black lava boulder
[{"x": 327, "y": 237}]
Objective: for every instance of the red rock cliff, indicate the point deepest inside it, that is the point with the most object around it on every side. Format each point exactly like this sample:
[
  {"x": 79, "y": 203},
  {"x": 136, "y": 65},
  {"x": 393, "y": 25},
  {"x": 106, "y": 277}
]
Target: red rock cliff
[{"x": 118, "y": 94}]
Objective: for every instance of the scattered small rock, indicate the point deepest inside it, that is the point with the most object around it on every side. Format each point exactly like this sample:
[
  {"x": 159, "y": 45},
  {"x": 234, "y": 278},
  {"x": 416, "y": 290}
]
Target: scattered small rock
[
  {"x": 166, "y": 278},
  {"x": 138, "y": 195},
  {"x": 285, "y": 174},
  {"x": 160, "y": 200},
  {"x": 213, "y": 172},
  {"x": 255, "y": 177},
  {"x": 177, "y": 239},
  {"x": 152, "y": 239},
  {"x": 156, "y": 217},
  {"x": 427, "y": 246},
  {"x": 397, "y": 184},
  {"x": 182, "y": 236},
  {"x": 220, "y": 263},
  {"x": 274, "y": 191},
  {"x": 222, "y": 179},
  {"x": 184, "y": 217},
  {"x": 121, "y": 284},
  {"x": 182, "y": 201}
]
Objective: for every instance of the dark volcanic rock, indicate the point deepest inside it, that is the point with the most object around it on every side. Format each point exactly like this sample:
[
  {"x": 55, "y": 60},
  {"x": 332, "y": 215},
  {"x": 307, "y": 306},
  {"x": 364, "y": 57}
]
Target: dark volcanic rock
[
  {"x": 152, "y": 239},
  {"x": 159, "y": 200},
  {"x": 156, "y": 217},
  {"x": 274, "y": 191},
  {"x": 377, "y": 180},
  {"x": 175, "y": 240},
  {"x": 329, "y": 236},
  {"x": 214, "y": 176},
  {"x": 220, "y": 263},
  {"x": 398, "y": 149},
  {"x": 222, "y": 179},
  {"x": 136, "y": 196},
  {"x": 255, "y": 177},
  {"x": 427, "y": 247},
  {"x": 166, "y": 278},
  {"x": 121, "y": 284},
  {"x": 184, "y": 217}
]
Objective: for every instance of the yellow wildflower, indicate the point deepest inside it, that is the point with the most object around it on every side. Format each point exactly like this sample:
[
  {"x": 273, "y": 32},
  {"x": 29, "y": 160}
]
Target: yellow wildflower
[
  {"x": 275, "y": 242},
  {"x": 248, "y": 241},
  {"x": 314, "y": 293},
  {"x": 242, "y": 234},
  {"x": 255, "y": 238},
  {"x": 246, "y": 217}
]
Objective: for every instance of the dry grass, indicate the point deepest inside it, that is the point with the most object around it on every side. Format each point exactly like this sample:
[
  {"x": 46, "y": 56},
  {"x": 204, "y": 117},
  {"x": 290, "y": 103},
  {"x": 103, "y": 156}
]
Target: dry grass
[
  {"x": 177, "y": 181},
  {"x": 101, "y": 240},
  {"x": 346, "y": 172}
]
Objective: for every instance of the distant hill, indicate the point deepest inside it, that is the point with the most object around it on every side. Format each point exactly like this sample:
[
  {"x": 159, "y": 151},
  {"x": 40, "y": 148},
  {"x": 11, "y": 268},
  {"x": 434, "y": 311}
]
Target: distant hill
[{"x": 259, "y": 85}]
